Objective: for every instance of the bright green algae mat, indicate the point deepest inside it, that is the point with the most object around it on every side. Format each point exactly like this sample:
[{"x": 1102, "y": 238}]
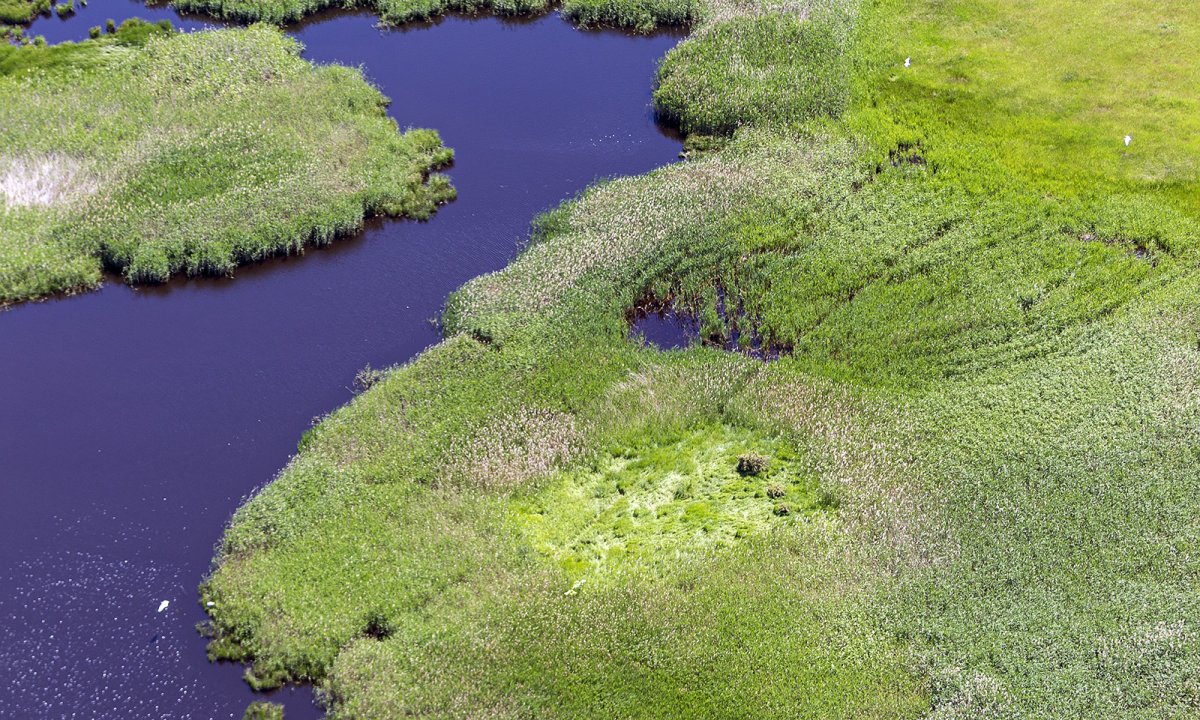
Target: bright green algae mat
[
  {"x": 663, "y": 500},
  {"x": 153, "y": 153},
  {"x": 980, "y": 493}
]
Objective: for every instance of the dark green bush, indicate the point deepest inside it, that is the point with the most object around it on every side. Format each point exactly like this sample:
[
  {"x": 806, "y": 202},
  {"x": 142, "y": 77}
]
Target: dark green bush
[{"x": 752, "y": 463}]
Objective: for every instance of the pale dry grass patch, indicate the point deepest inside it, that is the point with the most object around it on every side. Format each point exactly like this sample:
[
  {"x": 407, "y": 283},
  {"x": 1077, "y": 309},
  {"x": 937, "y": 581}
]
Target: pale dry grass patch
[
  {"x": 718, "y": 11},
  {"x": 969, "y": 694},
  {"x": 514, "y": 449},
  {"x": 862, "y": 453},
  {"x": 682, "y": 394},
  {"x": 43, "y": 181}
]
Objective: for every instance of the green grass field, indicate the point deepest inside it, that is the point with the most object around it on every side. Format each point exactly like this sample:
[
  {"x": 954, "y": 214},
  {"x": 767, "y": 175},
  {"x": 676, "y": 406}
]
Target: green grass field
[
  {"x": 152, "y": 154},
  {"x": 980, "y": 494}
]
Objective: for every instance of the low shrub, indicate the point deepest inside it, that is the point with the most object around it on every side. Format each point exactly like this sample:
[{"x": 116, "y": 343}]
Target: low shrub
[
  {"x": 752, "y": 463},
  {"x": 777, "y": 68},
  {"x": 261, "y": 710}
]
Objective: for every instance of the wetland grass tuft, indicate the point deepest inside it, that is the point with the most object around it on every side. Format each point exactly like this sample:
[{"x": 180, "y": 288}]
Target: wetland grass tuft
[
  {"x": 17, "y": 12},
  {"x": 263, "y": 711},
  {"x": 787, "y": 70}
]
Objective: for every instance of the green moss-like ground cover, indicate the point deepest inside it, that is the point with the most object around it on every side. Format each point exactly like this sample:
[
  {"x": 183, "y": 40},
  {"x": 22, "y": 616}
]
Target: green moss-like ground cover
[
  {"x": 153, "y": 154},
  {"x": 653, "y": 505},
  {"x": 985, "y": 413}
]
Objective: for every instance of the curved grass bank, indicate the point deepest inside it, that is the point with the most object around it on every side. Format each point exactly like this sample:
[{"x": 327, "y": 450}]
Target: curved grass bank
[
  {"x": 153, "y": 153},
  {"x": 979, "y": 495}
]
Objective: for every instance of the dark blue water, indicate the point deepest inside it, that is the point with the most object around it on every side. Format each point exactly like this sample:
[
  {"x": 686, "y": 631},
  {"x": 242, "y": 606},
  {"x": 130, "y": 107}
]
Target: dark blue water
[
  {"x": 674, "y": 326},
  {"x": 133, "y": 422},
  {"x": 665, "y": 330}
]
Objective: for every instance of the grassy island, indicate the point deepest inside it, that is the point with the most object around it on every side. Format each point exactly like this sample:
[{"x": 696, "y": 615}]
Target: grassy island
[
  {"x": 152, "y": 153},
  {"x": 967, "y": 487}
]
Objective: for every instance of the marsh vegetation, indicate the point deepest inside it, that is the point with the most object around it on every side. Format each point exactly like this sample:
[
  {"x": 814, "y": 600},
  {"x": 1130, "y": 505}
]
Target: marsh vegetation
[
  {"x": 15, "y": 12},
  {"x": 151, "y": 154},
  {"x": 979, "y": 499},
  {"x": 967, "y": 488}
]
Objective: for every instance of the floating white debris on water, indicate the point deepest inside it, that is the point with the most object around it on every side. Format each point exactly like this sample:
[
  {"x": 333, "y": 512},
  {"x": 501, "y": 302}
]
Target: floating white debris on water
[
  {"x": 907, "y": 62},
  {"x": 163, "y": 605},
  {"x": 1128, "y": 139}
]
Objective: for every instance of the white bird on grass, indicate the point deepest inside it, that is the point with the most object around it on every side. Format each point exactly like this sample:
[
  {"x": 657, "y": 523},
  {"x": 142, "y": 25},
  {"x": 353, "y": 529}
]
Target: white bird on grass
[
  {"x": 907, "y": 62},
  {"x": 1128, "y": 139},
  {"x": 163, "y": 605}
]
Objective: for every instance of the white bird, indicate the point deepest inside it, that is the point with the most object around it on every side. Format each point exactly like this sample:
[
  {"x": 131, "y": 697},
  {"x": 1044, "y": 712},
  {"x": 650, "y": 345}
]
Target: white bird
[
  {"x": 163, "y": 605},
  {"x": 210, "y": 603},
  {"x": 907, "y": 62},
  {"x": 1128, "y": 139}
]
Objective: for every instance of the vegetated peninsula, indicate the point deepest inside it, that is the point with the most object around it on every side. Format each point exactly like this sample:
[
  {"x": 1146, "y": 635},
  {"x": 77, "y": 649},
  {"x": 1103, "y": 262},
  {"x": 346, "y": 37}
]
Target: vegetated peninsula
[
  {"x": 966, "y": 487},
  {"x": 154, "y": 153}
]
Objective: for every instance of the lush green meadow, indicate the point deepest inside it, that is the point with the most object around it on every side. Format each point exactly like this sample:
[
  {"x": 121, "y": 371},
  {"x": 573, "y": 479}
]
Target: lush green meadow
[
  {"x": 979, "y": 498},
  {"x": 152, "y": 153}
]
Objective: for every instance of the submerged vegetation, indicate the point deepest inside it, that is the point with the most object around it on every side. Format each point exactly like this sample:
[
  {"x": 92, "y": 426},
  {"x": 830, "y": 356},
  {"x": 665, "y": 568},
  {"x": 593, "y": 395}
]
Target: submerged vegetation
[
  {"x": 966, "y": 487},
  {"x": 153, "y": 153}
]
